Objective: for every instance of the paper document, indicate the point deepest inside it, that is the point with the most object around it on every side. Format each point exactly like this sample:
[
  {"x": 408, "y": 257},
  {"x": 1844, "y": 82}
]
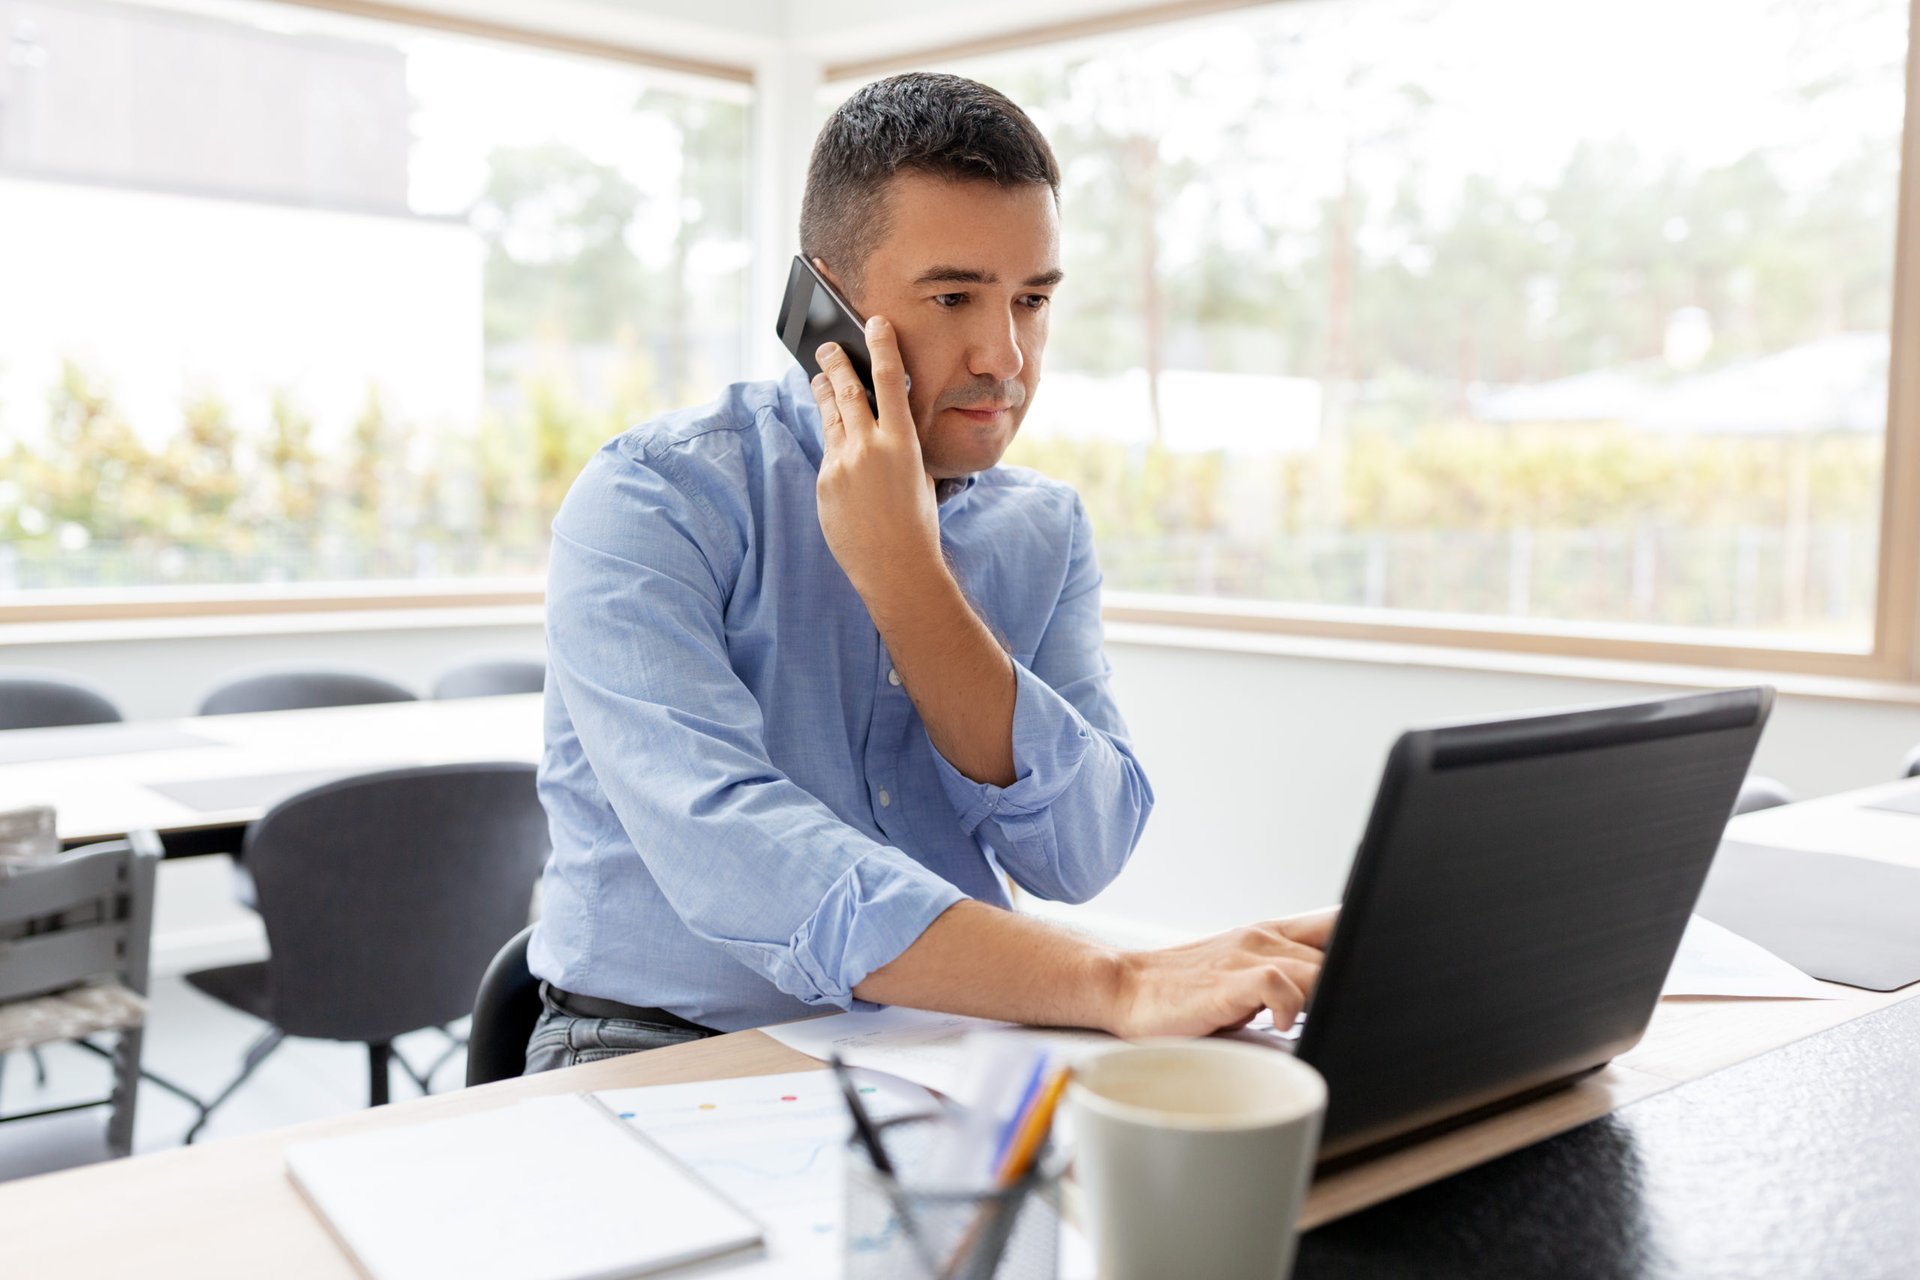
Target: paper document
[
  {"x": 926, "y": 1048},
  {"x": 479, "y": 1196},
  {"x": 1716, "y": 961},
  {"x": 777, "y": 1145}
]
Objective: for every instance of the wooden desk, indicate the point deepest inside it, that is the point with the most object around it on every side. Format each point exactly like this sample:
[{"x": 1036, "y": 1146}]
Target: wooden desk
[
  {"x": 227, "y": 1209},
  {"x": 99, "y": 797}
]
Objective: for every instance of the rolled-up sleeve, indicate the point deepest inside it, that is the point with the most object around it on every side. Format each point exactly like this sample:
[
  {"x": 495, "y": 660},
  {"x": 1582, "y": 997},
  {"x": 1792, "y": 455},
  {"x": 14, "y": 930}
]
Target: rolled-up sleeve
[
  {"x": 746, "y": 857},
  {"x": 1066, "y": 825}
]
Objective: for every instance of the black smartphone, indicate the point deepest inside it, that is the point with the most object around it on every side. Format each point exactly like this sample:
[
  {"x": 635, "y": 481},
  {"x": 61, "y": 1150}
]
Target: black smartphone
[{"x": 813, "y": 312}]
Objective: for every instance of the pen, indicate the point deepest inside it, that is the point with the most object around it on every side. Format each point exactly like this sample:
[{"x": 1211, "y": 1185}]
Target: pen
[
  {"x": 1028, "y": 1093},
  {"x": 975, "y": 1255},
  {"x": 862, "y": 1122},
  {"x": 882, "y": 1165},
  {"x": 1026, "y": 1143}
]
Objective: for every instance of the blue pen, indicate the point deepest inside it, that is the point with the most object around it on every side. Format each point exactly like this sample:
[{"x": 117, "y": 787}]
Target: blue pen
[{"x": 1027, "y": 1097}]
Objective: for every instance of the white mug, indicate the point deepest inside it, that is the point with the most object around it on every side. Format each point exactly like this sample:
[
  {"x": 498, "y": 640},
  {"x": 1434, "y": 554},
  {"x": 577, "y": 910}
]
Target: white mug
[{"x": 1193, "y": 1157}]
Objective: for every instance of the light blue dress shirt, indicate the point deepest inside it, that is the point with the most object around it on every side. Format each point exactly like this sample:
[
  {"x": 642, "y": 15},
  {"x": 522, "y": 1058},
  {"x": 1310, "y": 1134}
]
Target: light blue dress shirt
[{"x": 748, "y": 816}]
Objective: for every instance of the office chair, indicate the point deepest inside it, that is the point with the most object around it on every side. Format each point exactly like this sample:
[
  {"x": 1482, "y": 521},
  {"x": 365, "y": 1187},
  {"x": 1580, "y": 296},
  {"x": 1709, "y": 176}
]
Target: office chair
[
  {"x": 504, "y": 1012},
  {"x": 491, "y": 677},
  {"x": 385, "y": 896},
  {"x": 294, "y": 690},
  {"x": 1913, "y": 764},
  {"x": 31, "y": 698},
  {"x": 1757, "y": 792}
]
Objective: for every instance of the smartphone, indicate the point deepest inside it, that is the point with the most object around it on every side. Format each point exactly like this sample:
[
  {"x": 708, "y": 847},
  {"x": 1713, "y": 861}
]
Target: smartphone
[{"x": 813, "y": 312}]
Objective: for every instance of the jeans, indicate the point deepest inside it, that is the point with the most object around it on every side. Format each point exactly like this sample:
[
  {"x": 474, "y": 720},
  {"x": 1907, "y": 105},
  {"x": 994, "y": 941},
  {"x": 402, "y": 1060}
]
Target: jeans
[{"x": 562, "y": 1040}]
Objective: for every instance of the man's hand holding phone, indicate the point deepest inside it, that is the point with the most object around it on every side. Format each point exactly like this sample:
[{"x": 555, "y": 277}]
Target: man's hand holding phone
[{"x": 877, "y": 505}]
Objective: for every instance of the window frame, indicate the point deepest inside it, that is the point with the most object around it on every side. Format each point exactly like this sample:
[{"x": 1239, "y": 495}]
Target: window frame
[{"x": 1893, "y": 657}]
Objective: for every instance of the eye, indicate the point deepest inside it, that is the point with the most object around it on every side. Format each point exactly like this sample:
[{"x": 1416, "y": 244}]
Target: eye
[
  {"x": 948, "y": 301},
  {"x": 1035, "y": 301}
]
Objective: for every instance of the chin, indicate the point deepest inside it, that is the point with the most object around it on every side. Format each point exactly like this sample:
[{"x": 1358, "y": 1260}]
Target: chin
[{"x": 969, "y": 449}]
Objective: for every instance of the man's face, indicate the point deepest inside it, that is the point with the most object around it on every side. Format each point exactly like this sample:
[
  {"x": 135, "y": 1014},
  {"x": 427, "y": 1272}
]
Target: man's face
[{"x": 966, "y": 274}]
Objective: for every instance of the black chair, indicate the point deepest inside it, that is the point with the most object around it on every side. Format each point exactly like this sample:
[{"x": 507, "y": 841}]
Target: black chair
[
  {"x": 492, "y": 677},
  {"x": 385, "y": 897},
  {"x": 31, "y": 698},
  {"x": 294, "y": 690},
  {"x": 1913, "y": 764},
  {"x": 504, "y": 1011},
  {"x": 1760, "y": 793}
]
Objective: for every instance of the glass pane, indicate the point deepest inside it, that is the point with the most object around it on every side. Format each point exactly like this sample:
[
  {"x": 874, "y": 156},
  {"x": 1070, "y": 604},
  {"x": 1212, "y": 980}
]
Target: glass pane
[
  {"x": 290, "y": 297},
  {"x": 1575, "y": 313}
]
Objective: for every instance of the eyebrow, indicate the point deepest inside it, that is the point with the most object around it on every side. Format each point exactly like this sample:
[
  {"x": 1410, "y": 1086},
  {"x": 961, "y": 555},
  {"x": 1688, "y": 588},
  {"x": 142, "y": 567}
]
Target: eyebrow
[{"x": 973, "y": 275}]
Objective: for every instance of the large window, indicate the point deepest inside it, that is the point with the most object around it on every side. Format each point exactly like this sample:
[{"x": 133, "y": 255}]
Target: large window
[
  {"x": 1577, "y": 315},
  {"x": 287, "y": 298}
]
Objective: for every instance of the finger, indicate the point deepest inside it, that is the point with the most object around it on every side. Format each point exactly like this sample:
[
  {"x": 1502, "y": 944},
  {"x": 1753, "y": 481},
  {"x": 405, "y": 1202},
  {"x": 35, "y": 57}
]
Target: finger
[
  {"x": 833, "y": 432},
  {"x": 848, "y": 391},
  {"x": 889, "y": 375},
  {"x": 1274, "y": 940},
  {"x": 1282, "y": 993},
  {"x": 1315, "y": 928}
]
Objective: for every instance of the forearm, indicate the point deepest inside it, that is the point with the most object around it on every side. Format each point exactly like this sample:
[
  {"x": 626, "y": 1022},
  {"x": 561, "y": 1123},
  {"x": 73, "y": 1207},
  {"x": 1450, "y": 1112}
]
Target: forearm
[
  {"x": 982, "y": 961},
  {"x": 960, "y": 679}
]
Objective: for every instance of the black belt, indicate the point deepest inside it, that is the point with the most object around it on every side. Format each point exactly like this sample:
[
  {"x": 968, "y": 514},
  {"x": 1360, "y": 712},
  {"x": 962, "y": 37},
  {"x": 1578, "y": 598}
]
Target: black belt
[{"x": 594, "y": 1007}]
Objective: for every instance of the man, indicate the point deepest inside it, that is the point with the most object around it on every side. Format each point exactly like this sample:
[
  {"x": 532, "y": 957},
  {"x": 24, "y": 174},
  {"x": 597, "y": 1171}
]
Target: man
[{"x": 821, "y": 677}]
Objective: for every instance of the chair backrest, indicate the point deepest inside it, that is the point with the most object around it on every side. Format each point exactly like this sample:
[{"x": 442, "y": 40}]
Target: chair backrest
[
  {"x": 504, "y": 1012},
  {"x": 386, "y": 895},
  {"x": 35, "y": 699},
  {"x": 294, "y": 690},
  {"x": 492, "y": 677},
  {"x": 88, "y": 914}
]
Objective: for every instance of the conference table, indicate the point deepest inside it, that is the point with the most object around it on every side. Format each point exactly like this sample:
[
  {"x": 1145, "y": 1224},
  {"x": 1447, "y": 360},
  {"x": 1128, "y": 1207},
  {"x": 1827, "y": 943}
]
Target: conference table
[
  {"x": 1738, "y": 1138},
  {"x": 200, "y": 780}
]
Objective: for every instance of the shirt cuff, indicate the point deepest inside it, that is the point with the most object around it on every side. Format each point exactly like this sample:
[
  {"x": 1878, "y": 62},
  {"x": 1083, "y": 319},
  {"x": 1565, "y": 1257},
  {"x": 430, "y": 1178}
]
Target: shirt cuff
[
  {"x": 876, "y": 909},
  {"x": 1050, "y": 739}
]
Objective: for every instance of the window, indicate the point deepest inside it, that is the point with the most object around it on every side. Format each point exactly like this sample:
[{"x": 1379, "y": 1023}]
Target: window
[
  {"x": 1576, "y": 317},
  {"x": 290, "y": 298}
]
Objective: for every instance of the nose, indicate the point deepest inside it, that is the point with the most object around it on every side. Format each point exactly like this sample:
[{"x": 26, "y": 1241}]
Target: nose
[{"x": 995, "y": 351}]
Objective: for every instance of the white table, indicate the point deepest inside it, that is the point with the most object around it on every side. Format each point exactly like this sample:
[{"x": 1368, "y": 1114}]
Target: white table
[{"x": 101, "y": 796}]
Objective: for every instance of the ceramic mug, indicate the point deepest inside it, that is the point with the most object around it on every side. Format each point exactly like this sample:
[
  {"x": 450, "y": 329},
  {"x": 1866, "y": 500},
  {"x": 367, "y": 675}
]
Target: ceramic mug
[{"x": 1193, "y": 1157}]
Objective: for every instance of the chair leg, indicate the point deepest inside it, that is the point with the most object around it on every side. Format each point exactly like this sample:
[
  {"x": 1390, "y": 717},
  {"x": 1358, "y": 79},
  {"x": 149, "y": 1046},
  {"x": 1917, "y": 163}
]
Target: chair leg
[
  {"x": 126, "y": 1091},
  {"x": 446, "y": 1055},
  {"x": 422, "y": 1079},
  {"x": 148, "y": 1076},
  {"x": 39, "y": 1067},
  {"x": 379, "y": 1068},
  {"x": 265, "y": 1045}
]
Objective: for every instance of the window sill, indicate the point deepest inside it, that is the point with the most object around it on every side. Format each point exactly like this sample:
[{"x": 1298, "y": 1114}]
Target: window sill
[
  {"x": 1506, "y": 662},
  {"x": 311, "y": 622},
  {"x": 1124, "y": 627}
]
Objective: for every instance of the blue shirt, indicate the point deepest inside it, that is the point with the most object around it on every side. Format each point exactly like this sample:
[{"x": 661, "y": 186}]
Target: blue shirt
[{"x": 748, "y": 817}]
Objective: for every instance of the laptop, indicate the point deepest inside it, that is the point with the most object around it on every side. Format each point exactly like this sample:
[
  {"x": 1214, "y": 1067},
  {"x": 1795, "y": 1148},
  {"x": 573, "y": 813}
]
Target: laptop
[{"x": 1516, "y": 903}]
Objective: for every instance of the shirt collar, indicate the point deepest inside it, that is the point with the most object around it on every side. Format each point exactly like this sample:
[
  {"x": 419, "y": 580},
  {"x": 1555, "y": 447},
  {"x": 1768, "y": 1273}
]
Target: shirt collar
[{"x": 802, "y": 417}]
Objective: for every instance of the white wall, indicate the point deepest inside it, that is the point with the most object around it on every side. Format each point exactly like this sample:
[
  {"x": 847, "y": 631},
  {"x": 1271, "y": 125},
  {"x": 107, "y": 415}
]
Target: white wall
[{"x": 1264, "y": 763}]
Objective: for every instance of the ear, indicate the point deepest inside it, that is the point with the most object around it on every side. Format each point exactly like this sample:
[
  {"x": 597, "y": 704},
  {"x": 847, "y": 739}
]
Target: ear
[{"x": 820, "y": 265}]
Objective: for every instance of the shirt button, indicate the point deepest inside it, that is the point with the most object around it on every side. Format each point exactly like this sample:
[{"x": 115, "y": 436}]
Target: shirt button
[
  {"x": 885, "y": 799},
  {"x": 893, "y": 676}
]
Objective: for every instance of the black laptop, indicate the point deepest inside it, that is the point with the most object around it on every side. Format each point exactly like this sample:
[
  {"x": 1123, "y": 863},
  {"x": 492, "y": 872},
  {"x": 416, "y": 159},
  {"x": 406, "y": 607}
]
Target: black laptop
[{"x": 1516, "y": 903}]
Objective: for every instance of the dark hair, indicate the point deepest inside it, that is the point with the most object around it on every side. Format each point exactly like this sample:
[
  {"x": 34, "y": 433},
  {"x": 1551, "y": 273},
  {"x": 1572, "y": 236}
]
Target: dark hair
[{"x": 921, "y": 122}]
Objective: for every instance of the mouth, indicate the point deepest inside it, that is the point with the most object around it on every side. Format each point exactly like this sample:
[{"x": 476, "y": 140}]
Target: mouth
[{"x": 985, "y": 415}]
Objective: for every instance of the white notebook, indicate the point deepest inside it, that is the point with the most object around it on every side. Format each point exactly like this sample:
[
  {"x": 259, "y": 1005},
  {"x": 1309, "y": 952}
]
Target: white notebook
[{"x": 547, "y": 1189}]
